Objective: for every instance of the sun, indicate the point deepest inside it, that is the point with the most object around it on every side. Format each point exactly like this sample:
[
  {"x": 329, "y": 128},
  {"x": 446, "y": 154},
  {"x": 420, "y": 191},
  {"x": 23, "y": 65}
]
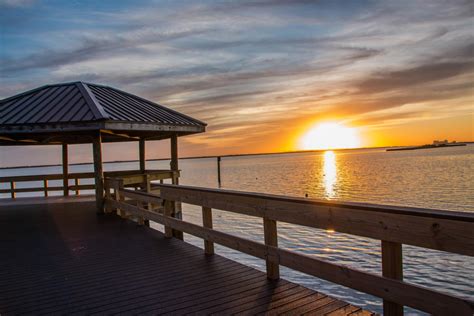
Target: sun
[{"x": 330, "y": 135}]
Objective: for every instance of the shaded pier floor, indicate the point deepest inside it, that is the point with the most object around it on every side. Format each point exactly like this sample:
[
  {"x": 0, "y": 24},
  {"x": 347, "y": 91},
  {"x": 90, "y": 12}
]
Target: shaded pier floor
[{"x": 59, "y": 257}]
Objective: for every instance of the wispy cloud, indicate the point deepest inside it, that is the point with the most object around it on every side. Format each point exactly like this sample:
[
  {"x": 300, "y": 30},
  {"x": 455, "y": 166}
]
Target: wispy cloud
[{"x": 261, "y": 63}]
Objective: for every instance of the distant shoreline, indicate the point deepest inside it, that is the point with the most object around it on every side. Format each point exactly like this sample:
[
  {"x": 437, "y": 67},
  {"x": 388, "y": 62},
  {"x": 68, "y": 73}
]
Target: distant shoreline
[{"x": 215, "y": 156}]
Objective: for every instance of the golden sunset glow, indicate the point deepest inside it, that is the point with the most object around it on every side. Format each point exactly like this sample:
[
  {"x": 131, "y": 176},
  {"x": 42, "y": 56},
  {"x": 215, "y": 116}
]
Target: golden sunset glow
[
  {"x": 330, "y": 135},
  {"x": 330, "y": 174}
]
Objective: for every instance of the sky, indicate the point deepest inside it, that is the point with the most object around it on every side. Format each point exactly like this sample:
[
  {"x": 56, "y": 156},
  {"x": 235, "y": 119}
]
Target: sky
[{"x": 260, "y": 73}]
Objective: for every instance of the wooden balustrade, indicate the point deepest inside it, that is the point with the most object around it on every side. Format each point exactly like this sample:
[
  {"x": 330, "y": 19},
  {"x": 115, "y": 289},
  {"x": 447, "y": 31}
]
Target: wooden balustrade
[
  {"x": 45, "y": 187},
  {"x": 394, "y": 226},
  {"x": 130, "y": 178}
]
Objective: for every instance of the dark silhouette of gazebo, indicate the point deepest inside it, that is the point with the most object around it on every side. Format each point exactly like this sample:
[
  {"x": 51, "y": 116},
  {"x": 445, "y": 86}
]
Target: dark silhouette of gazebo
[{"x": 80, "y": 113}]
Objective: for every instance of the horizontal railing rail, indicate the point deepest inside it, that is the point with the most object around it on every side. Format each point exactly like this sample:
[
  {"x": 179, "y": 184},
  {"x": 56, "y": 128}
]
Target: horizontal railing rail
[
  {"x": 394, "y": 226},
  {"x": 45, "y": 187},
  {"x": 130, "y": 177}
]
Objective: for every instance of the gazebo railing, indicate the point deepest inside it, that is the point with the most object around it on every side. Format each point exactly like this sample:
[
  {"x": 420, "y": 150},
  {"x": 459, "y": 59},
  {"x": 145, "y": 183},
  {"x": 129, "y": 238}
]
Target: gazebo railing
[{"x": 42, "y": 182}]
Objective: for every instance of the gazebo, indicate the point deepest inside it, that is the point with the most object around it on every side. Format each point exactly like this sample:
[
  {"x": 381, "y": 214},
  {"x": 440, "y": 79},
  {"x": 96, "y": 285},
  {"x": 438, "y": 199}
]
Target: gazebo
[{"x": 80, "y": 113}]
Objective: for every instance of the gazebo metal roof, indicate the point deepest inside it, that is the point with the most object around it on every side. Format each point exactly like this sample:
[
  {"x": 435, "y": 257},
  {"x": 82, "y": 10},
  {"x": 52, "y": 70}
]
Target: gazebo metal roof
[{"x": 66, "y": 112}]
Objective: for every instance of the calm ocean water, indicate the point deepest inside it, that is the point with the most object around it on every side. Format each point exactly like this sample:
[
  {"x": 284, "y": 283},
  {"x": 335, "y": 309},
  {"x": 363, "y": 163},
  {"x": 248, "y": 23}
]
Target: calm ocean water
[{"x": 433, "y": 178}]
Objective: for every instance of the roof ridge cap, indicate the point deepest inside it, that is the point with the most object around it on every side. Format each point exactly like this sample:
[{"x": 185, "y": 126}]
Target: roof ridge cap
[{"x": 92, "y": 102}]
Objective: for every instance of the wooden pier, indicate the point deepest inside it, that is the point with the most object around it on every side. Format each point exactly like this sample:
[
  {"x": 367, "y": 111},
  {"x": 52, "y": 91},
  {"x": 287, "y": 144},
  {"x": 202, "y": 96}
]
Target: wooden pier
[
  {"x": 67, "y": 254},
  {"x": 59, "y": 257}
]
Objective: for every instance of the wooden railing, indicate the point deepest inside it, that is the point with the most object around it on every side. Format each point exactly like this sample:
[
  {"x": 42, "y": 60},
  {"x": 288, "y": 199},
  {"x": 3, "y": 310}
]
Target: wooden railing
[
  {"x": 131, "y": 178},
  {"x": 45, "y": 186},
  {"x": 394, "y": 226}
]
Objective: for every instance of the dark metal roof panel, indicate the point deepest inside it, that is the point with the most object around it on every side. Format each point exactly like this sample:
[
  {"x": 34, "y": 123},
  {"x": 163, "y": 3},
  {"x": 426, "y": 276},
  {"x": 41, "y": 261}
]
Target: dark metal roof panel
[
  {"x": 80, "y": 102},
  {"x": 47, "y": 104},
  {"x": 123, "y": 106}
]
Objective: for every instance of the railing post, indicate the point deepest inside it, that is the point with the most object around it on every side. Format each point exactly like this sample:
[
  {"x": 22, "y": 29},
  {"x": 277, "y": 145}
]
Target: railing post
[
  {"x": 12, "y": 189},
  {"x": 167, "y": 211},
  {"x": 65, "y": 171},
  {"x": 140, "y": 219},
  {"x": 45, "y": 186},
  {"x": 219, "y": 171},
  {"x": 207, "y": 222},
  {"x": 146, "y": 222},
  {"x": 108, "y": 195},
  {"x": 271, "y": 239},
  {"x": 118, "y": 185},
  {"x": 76, "y": 183},
  {"x": 392, "y": 267}
]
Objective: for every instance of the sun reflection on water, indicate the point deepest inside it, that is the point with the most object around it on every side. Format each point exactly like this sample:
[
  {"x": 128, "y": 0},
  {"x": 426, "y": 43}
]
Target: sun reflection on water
[{"x": 330, "y": 174}]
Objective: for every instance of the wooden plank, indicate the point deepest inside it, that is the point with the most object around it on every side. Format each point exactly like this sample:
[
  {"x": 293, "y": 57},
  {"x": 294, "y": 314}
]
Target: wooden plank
[
  {"x": 273, "y": 302},
  {"x": 295, "y": 304},
  {"x": 46, "y": 177},
  {"x": 346, "y": 310},
  {"x": 49, "y": 188},
  {"x": 144, "y": 197},
  {"x": 37, "y": 189},
  {"x": 328, "y": 308},
  {"x": 411, "y": 295},
  {"x": 207, "y": 222},
  {"x": 435, "y": 229},
  {"x": 65, "y": 165},
  {"x": 307, "y": 308},
  {"x": 271, "y": 239},
  {"x": 98, "y": 172},
  {"x": 80, "y": 187},
  {"x": 392, "y": 267},
  {"x": 393, "y": 290},
  {"x": 250, "y": 300}
]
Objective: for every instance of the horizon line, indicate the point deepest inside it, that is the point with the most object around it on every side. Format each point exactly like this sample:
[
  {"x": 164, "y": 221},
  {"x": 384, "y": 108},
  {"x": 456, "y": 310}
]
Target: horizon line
[{"x": 216, "y": 156}]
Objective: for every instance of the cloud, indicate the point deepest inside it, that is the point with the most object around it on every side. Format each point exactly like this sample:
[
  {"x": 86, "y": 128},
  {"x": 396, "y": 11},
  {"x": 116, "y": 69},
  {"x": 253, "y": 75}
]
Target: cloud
[
  {"x": 262, "y": 63},
  {"x": 93, "y": 47},
  {"x": 16, "y": 3}
]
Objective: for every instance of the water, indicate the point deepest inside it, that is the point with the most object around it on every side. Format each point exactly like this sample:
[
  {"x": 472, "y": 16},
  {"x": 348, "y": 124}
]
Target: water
[{"x": 432, "y": 178}]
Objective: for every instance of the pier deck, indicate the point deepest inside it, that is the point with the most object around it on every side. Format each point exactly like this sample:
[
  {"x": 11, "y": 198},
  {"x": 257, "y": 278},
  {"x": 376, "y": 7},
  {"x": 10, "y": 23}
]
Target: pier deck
[{"x": 59, "y": 257}]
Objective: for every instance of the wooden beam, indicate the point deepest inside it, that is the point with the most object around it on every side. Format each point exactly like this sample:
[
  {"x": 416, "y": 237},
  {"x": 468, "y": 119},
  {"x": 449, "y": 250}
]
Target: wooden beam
[
  {"x": 207, "y": 222},
  {"x": 271, "y": 239},
  {"x": 177, "y": 211},
  {"x": 392, "y": 267},
  {"x": 65, "y": 171},
  {"x": 98, "y": 172},
  {"x": 418, "y": 297},
  {"x": 436, "y": 229},
  {"x": 141, "y": 152},
  {"x": 174, "y": 153}
]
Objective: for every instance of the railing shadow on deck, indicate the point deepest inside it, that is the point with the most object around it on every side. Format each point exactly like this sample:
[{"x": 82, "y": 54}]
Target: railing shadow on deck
[{"x": 393, "y": 226}]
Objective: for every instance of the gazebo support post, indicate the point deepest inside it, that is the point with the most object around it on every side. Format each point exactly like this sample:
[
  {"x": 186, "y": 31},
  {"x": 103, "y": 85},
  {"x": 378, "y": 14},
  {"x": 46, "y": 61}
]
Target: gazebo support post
[
  {"x": 141, "y": 151},
  {"x": 174, "y": 156},
  {"x": 65, "y": 171},
  {"x": 146, "y": 185},
  {"x": 176, "y": 213},
  {"x": 98, "y": 172}
]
